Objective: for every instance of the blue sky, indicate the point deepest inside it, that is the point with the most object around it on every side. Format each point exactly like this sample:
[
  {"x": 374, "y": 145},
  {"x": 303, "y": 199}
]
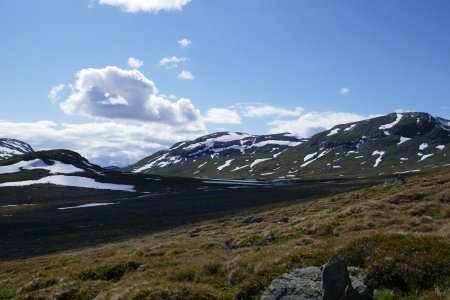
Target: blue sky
[{"x": 253, "y": 66}]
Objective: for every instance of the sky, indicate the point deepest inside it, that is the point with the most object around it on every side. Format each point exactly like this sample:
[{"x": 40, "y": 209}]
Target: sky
[{"x": 117, "y": 80}]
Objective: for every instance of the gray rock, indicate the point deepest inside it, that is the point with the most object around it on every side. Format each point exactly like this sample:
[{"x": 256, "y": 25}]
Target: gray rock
[
  {"x": 307, "y": 283},
  {"x": 302, "y": 284},
  {"x": 394, "y": 181},
  {"x": 335, "y": 279},
  {"x": 252, "y": 219}
]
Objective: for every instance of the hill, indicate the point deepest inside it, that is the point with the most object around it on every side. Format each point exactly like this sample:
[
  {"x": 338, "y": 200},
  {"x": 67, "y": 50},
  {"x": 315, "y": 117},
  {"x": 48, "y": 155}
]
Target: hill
[{"x": 392, "y": 144}]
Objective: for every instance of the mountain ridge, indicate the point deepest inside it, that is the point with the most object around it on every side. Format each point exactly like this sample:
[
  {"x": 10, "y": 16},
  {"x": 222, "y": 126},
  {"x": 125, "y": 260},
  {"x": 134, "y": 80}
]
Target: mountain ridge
[{"x": 393, "y": 143}]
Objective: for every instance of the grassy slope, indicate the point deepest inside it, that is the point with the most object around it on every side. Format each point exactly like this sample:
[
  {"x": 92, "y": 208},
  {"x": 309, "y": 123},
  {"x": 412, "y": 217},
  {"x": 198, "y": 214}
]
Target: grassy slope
[{"x": 403, "y": 228}]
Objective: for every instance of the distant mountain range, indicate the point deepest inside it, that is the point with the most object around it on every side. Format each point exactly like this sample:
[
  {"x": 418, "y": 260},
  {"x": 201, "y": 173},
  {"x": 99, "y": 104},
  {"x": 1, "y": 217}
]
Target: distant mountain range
[{"x": 394, "y": 143}]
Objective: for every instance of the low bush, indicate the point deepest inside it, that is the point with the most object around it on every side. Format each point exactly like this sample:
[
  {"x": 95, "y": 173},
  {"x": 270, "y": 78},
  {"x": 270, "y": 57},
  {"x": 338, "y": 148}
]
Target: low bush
[{"x": 403, "y": 262}]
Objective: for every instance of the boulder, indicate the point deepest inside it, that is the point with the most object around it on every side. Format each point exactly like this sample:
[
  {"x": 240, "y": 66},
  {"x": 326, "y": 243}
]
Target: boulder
[
  {"x": 333, "y": 281},
  {"x": 299, "y": 284},
  {"x": 394, "y": 181}
]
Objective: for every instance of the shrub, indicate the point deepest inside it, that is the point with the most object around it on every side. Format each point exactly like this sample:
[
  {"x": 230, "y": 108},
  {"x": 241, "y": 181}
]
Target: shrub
[{"x": 403, "y": 262}]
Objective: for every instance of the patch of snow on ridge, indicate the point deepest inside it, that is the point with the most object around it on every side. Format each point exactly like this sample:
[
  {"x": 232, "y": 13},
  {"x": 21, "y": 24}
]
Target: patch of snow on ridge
[
  {"x": 226, "y": 164},
  {"x": 333, "y": 132},
  {"x": 423, "y": 146},
  {"x": 75, "y": 181},
  {"x": 238, "y": 168},
  {"x": 309, "y": 156},
  {"x": 380, "y": 153},
  {"x": 319, "y": 156},
  {"x": 257, "y": 161},
  {"x": 350, "y": 127},
  {"x": 390, "y": 125},
  {"x": 57, "y": 167},
  {"x": 86, "y": 205},
  {"x": 440, "y": 147},
  {"x": 403, "y": 139},
  {"x": 425, "y": 156},
  {"x": 275, "y": 142},
  {"x": 202, "y": 165}
]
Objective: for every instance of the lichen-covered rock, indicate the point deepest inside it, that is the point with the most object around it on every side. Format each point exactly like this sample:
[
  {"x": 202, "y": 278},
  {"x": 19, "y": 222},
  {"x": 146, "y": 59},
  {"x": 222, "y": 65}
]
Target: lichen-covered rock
[
  {"x": 334, "y": 281},
  {"x": 299, "y": 284}
]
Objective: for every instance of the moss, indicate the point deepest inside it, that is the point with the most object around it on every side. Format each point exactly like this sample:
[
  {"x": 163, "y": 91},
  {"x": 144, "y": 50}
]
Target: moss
[{"x": 7, "y": 294}]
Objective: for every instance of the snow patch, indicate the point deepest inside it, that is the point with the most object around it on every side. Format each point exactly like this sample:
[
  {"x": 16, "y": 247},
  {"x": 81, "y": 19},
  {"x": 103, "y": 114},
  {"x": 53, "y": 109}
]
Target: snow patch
[
  {"x": 57, "y": 167},
  {"x": 86, "y": 205},
  {"x": 380, "y": 153},
  {"x": 423, "y": 146},
  {"x": 403, "y": 139},
  {"x": 334, "y": 131},
  {"x": 226, "y": 164},
  {"x": 258, "y": 161},
  {"x": 390, "y": 125},
  {"x": 309, "y": 156},
  {"x": 350, "y": 127},
  {"x": 75, "y": 181}
]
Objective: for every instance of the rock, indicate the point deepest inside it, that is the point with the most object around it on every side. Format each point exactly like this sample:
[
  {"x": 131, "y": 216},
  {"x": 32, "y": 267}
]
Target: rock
[
  {"x": 252, "y": 219},
  {"x": 283, "y": 220},
  {"x": 335, "y": 279},
  {"x": 299, "y": 284},
  {"x": 394, "y": 181}
]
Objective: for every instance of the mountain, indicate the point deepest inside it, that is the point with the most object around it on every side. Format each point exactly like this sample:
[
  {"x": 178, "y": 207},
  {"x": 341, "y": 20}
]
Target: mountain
[
  {"x": 11, "y": 147},
  {"x": 394, "y": 143}
]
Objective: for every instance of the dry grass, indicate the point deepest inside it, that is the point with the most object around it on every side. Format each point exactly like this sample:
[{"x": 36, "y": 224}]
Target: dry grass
[{"x": 228, "y": 258}]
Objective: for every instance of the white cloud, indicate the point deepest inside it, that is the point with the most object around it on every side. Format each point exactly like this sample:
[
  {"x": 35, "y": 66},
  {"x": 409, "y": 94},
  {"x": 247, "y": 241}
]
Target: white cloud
[
  {"x": 313, "y": 122},
  {"x": 268, "y": 110},
  {"x": 54, "y": 93},
  {"x": 134, "y": 63},
  {"x": 114, "y": 93},
  {"x": 134, "y": 6},
  {"x": 222, "y": 116},
  {"x": 171, "y": 62},
  {"x": 104, "y": 143},
  {"x": 186, "y": 75},
  {"x": 183, "y": 43},
  {"x": 344, "y": 90}
]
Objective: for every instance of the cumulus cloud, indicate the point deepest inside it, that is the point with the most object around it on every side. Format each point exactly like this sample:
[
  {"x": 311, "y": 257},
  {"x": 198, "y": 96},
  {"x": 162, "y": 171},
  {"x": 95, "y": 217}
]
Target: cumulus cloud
[
  {"x": 114, "y": 93},
  {"x": 222, "y": 116},
  {"x": 135, "y": 63},
  {"x": 171, "y": 62},
  {"x": 183, "y": 43},
  {"x": 313, "y": 122},
  {"x": 268, "y": 110},
  {"x": 54, "y": 93},
  {"x": 134, "y": 6},
  {"x": 186, "y": 75},
  {"x": 344, "y": 90},
  {"x": 105, "y": 143}
]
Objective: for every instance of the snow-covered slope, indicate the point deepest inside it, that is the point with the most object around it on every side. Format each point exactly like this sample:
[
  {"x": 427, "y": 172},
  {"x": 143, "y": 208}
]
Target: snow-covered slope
[
  {"x": 11, "y": 147},
  {"x": 394, "y": 143},
  {"x": 56, "y": 167}
]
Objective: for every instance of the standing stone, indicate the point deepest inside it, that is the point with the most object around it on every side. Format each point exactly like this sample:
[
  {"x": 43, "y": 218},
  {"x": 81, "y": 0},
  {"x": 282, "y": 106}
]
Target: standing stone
[{"x": 335, "y": 279}]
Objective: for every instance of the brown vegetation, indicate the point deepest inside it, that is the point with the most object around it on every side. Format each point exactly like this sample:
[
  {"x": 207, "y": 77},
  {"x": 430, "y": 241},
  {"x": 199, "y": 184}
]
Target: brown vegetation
[{"x": 400, "y": 234}]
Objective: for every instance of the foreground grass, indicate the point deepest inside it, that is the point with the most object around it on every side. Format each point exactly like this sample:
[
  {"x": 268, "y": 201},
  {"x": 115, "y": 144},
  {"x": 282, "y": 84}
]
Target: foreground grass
[{"x": 400, "y": 235}]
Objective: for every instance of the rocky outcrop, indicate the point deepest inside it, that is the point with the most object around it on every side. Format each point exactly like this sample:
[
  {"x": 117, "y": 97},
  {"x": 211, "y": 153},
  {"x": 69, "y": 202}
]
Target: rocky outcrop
[{"x": 332, "y": 282}]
